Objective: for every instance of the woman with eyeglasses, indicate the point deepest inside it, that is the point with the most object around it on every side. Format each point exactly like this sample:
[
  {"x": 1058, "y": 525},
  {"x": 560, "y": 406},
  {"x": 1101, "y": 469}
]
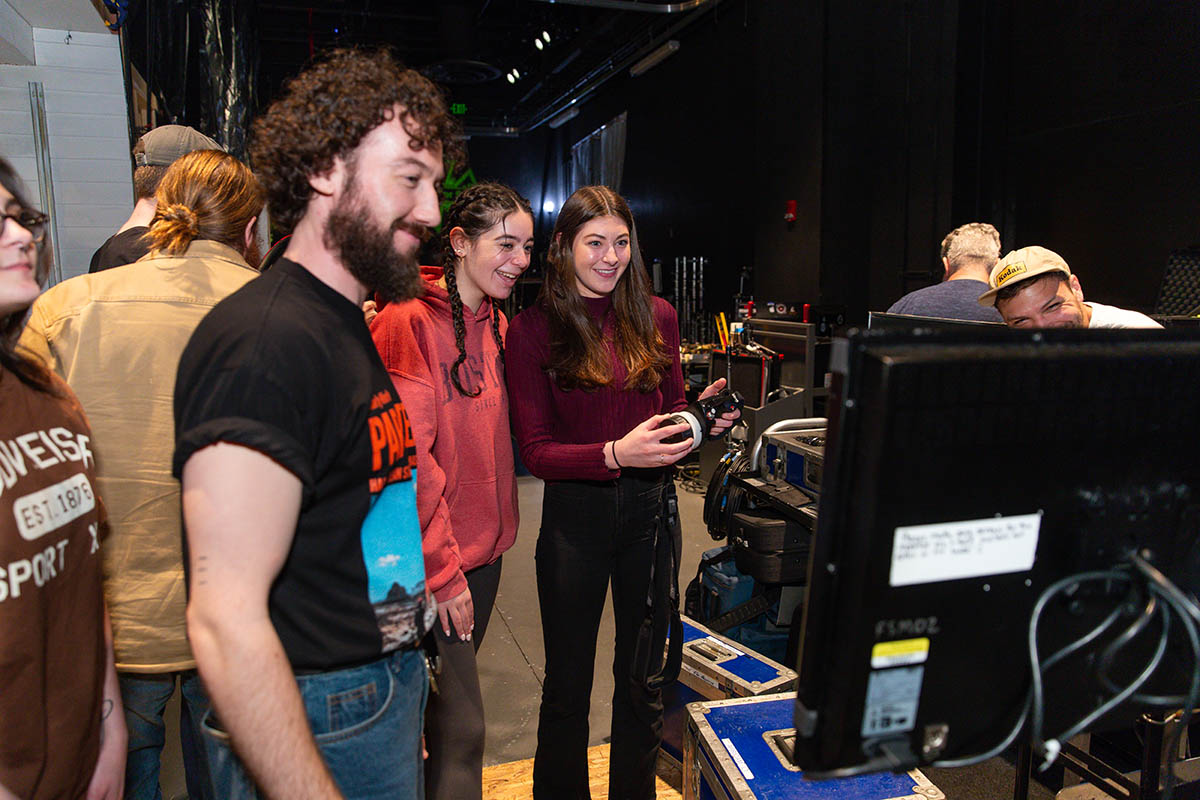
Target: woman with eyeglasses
[{"x": 64, "y": 735}]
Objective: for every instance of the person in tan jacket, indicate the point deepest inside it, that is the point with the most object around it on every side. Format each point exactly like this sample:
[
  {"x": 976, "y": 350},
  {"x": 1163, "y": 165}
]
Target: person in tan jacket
[{"x": 116, "y": 337}]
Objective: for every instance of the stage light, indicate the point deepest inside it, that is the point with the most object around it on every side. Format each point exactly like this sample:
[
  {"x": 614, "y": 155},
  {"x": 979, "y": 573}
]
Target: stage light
[
  {"x": 546, "y": 36},
  {"x": 548, "y": 206},
  {"x": 516, "y": 74},
  {"x": 538, "y": 44},
  {"x": 511, "y": 79}
]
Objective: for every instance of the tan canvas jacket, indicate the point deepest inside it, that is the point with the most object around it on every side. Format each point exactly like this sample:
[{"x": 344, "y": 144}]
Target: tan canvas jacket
[{"x": 116, "y": 337}]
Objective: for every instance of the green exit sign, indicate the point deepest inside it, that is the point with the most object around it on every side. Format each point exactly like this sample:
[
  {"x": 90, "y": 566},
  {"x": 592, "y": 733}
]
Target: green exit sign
[{"x": 458, "y": 108}]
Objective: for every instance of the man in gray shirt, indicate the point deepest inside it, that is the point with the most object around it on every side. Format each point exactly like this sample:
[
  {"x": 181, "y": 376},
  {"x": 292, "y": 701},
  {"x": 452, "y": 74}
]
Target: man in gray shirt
[{"x": 968, "y": 254}]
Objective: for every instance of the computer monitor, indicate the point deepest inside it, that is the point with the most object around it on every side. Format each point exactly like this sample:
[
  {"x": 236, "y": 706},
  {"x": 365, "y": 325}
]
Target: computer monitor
[
  {"x": 881, "y": 320},
  {"x": 967, "y": 474}
]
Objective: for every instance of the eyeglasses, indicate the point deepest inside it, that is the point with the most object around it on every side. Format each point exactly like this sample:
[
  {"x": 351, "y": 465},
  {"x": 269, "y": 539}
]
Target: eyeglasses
[{"x": 32, "y": 221}]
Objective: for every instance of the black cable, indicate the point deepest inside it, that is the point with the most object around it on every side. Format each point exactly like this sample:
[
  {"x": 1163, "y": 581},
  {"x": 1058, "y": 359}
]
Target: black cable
[
  {"x": 1015, "y": 731},
  {"x": 1173, "y": 600},
  {"x": 690, "y": 479},
  {"x": 1164, "y": 583},
  {"x": 1188, "y": 613},
  {"x": 1138, "y": 697},
  {"x": 1084, "y": 641},
  {"x": 1125, "y": 693},
  {"x": 1038, "y": 708},
  {"x": 724, "y": 498},
  {"x": 1109, "y": 653}
]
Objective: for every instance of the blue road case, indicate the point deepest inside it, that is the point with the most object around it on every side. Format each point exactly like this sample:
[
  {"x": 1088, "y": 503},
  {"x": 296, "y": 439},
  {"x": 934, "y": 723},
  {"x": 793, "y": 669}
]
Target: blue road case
[
  {"x": 736, "y": 750},
  {"x": 715, "y": 668}
]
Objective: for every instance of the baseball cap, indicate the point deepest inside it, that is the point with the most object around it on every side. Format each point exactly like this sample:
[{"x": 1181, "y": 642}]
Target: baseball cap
[
  {"x": 1021, "y": 265},
  {"x": 161, "y": 146}
]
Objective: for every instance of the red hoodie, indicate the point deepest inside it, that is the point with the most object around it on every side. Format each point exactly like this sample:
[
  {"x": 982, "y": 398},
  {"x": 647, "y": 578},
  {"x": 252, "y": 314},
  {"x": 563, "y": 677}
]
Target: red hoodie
[{"x": 466, "y": 485}]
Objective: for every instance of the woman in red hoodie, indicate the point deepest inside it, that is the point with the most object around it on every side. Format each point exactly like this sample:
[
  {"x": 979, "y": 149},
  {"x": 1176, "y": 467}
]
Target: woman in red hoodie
[{"x": 445, "y": 352}]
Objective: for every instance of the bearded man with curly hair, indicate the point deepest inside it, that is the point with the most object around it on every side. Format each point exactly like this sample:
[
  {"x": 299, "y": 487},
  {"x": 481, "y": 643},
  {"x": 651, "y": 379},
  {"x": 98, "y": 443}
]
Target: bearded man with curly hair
[{"x": 307, "y": 587}]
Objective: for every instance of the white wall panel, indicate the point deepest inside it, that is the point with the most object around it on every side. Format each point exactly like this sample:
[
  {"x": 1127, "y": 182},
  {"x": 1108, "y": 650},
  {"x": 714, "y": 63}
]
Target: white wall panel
[
  {"x": 16, "y": 36},
  {"x": 15, "y": 119},
  {"x": 119, "y": 193},
  {"x": 101, "y": 147},
  {"x": 105, "y": 126},
  {"x": 87, "y": 121},
  {"x": 70, "y": 80},
  {"x": 89, "y": 170},
  {"x": 75, "y": 261},
  {"x": 15, "y": 145},
  {"x": 59, "y": 101},
  {"x": 91, "y": 215}
]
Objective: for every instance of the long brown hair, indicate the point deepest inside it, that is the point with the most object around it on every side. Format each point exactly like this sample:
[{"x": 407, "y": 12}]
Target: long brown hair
[
  {"x": 206, "y": 194},
  {"x": 578, "y": 353},
  {"x": 476, "y": 211},
  {"x": 30, "y": 371}
]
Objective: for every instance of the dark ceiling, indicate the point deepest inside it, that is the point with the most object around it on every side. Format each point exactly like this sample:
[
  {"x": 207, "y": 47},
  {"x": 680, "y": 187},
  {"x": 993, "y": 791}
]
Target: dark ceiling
[{"x": 469, "y": 47}]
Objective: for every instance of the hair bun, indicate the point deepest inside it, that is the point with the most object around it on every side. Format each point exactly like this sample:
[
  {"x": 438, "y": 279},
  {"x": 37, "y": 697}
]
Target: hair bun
[{"x": 181, "y": 215}]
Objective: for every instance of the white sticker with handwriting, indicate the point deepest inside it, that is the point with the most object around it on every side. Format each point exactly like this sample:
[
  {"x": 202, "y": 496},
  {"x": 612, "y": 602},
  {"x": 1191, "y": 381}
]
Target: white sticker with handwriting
[{"x": 946, "y": 551}]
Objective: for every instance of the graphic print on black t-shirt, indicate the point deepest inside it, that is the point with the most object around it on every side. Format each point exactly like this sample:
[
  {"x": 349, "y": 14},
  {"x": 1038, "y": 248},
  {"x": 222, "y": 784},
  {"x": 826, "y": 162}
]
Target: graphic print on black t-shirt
[{"x": 391, "y": 532}]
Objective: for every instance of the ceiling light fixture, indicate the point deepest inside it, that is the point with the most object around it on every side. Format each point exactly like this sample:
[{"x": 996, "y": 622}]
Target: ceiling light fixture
[
  {"x": 546, "y": 36},
  {"x": 511, "y": 79},
  {"x": 656, "y": 57},
  {"x": 516, "y": 74},
  {"x": 538, "y": 44}
]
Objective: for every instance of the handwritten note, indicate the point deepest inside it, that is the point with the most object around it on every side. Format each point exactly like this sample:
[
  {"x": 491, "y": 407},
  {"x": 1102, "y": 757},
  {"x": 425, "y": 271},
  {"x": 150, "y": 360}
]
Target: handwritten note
[{"x": 947, "y": 551}]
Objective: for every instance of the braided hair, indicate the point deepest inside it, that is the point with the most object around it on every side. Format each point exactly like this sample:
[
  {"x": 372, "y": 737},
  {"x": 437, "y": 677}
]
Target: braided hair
[{"x": 476, "y": 211}]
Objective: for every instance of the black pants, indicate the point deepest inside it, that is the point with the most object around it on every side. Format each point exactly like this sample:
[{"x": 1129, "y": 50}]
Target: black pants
[
  {"x": 593, "y": 533},
  {"x": 454, "y": 725}
]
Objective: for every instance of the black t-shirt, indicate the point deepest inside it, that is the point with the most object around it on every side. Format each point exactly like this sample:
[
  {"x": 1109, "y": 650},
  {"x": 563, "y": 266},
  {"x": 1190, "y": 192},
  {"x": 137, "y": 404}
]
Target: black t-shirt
[
  {"x": 120, "y": 249},
  {"x": 286, "y": 366}
]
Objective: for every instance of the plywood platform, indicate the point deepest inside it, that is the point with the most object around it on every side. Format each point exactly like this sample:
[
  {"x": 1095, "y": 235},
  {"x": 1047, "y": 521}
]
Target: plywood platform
[{"x": 514, "y": 780}]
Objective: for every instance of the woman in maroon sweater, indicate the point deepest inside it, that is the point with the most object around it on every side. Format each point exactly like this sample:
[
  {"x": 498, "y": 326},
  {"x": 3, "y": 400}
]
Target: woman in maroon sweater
[{"x": 592, "y": 371}]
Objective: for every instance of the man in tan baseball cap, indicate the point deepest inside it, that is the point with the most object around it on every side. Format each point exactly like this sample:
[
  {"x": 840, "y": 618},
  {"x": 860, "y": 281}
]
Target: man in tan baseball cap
[{"x": 1034, "y": 288}]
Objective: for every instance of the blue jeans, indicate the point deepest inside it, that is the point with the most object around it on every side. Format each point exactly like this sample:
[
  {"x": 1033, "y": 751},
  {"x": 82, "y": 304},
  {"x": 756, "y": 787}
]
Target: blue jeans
[
  {"x": 144, "y": 697},
  {"x": 366, "y": 721}
]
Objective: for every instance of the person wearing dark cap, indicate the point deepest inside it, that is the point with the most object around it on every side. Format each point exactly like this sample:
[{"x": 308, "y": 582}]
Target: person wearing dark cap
[
  {"x": 153, "y": 153},
  {"x": 968, "y": 253},
  {"x": 1034, "y": 288}
]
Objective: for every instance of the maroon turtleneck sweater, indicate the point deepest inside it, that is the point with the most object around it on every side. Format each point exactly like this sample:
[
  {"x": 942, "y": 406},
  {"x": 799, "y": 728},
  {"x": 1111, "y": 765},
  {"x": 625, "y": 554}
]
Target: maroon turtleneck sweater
[{"x": 562, "y": 433}]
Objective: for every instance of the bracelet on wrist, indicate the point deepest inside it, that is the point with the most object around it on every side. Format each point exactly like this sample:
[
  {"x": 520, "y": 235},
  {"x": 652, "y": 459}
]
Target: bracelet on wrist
[{"x": 614, "y": 455}]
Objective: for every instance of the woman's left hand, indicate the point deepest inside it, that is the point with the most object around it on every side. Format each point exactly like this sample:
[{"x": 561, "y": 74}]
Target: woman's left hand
[{"x": 726, "y": 420}]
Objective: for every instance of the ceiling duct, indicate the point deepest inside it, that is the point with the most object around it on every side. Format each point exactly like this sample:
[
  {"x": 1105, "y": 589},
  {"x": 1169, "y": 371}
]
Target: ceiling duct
[{"x": 456, "y": 31}]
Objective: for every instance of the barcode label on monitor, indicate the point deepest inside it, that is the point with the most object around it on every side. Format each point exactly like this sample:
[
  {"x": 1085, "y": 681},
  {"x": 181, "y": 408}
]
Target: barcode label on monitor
[{"x": 891, "y": 705}]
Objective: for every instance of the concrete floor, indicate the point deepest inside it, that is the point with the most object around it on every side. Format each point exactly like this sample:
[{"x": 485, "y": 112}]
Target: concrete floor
[{"x": 511, "y": 658}]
